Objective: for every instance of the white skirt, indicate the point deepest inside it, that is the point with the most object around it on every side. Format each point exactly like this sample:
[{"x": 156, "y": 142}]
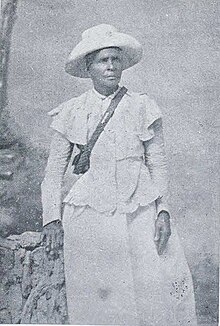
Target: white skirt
[{"x": 114, "y": 275}]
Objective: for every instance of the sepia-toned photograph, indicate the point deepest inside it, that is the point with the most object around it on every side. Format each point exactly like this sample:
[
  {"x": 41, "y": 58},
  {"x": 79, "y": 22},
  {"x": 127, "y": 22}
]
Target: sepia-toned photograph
[{"x": 109, "y": 162}]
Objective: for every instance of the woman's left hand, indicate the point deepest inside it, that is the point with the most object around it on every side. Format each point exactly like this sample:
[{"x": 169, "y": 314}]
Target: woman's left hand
[
  {"x": 162, "y": 231},
  {"x": 52, "y": 235}
]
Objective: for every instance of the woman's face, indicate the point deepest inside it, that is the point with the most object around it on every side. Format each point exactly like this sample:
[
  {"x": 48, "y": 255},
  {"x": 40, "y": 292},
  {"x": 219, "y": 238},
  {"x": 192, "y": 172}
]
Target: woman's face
[{"x": 105, "y": 68}]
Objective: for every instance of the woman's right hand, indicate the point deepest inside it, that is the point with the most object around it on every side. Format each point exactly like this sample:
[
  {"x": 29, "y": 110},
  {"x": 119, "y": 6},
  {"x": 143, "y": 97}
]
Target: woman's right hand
[{"x": 52, "y": 235}]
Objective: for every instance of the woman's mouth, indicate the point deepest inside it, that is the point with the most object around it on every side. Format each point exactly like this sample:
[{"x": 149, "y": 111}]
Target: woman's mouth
[{"x": 111, "y": 77}]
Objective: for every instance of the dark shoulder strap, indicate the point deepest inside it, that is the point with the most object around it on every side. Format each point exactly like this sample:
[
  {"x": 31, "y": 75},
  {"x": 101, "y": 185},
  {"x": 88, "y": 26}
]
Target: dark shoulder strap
[
  {"x": 106, "y": 117},
  {"x": 82, "y": 160}
]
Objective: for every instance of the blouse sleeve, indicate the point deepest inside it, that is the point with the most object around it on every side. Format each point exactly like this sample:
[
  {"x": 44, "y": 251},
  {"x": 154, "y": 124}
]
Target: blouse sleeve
[
  {"x": 155, "y": 158},
  {"x": 51, "y": 188},
  {"x": 149, "y": 112},
  {"x": 68, "y": 119}
]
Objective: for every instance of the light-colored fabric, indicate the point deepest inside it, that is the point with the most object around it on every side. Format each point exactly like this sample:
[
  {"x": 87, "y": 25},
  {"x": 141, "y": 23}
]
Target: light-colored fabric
[
  {"x": 113, "y": 272},
  {"x": 51, "y": 187},
  {"x": 118, "y": 177},
  {"x": 156, "y": 162},
  {"x": 114, "y": 275},
  {"x": 100, "y": 37}
]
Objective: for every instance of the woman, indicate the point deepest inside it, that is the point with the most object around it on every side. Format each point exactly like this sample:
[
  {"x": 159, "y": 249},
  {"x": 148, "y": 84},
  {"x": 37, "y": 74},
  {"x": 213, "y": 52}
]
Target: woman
[{"x": 121, "y": 265}]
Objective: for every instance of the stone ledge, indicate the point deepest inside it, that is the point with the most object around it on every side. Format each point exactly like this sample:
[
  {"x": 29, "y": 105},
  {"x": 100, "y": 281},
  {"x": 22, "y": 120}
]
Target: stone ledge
[{"x": 33, "y": 284}]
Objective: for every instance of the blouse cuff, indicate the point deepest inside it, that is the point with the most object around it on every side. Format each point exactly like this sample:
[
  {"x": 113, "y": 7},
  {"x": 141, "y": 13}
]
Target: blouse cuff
[
  {"x": 161, "y": 205},
  {"x": 54, "y": 221}
]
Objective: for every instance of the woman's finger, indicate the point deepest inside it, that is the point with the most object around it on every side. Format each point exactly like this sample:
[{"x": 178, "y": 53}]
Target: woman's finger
[
  {"x": 161, "y": 245},
  {"x": 53, "y": 240},
  {"x": 157, "y": 232},
  {"x": 60, "y": 240},
  {"x": 48, "y": 242},
  {"x": 163, "y": 242},
  {"x": 57, "y": 242},
  {"x": 42, "y": 236}
]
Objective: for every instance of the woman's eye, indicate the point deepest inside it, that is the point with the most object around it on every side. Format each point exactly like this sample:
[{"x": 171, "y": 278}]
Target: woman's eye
[
  {"x": 117, "y": 59},
  {"x": 104, "y": 60}
]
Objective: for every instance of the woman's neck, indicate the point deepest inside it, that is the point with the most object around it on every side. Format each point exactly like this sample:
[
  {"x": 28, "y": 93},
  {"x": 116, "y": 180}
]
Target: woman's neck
[{"x": 105, "y": 91}]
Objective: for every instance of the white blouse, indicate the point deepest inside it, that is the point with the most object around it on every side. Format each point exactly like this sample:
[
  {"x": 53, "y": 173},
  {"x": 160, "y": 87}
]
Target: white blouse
[{"x": 127, "y": 164}]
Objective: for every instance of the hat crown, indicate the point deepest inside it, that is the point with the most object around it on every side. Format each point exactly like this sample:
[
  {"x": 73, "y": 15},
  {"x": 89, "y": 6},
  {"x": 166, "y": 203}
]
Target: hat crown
[{"x": 99, "y": 31}]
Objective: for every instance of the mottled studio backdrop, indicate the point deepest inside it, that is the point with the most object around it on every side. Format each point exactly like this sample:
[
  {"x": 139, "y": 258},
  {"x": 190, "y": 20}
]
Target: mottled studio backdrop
[{"x": 179, "y": 70}]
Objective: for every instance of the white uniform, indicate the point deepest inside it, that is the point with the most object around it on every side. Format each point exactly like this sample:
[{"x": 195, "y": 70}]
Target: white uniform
[{"x": 113, "y": 272}]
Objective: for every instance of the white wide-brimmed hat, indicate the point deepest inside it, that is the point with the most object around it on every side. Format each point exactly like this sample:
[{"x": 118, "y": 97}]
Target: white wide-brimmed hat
[{"x": 100, "y": 37}]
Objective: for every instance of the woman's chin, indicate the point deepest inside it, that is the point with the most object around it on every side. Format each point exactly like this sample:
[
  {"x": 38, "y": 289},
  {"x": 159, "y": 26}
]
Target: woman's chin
[{"x": 112, "y": 83}]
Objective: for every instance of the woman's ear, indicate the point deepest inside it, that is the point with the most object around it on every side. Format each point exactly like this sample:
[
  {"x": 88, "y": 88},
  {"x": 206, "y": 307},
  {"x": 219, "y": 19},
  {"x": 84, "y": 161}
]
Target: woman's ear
[
  {"x": 88, "y": 71},
  {"x": 88, "y": 68}
]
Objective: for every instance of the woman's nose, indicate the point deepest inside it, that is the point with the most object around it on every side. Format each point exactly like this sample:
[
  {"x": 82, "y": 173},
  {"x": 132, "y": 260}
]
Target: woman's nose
[{"x": 111, "y": 65}]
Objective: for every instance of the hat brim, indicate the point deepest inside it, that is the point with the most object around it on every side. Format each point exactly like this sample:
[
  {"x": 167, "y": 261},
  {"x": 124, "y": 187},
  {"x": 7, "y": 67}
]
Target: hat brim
[{"x": 131, "y": 48}]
